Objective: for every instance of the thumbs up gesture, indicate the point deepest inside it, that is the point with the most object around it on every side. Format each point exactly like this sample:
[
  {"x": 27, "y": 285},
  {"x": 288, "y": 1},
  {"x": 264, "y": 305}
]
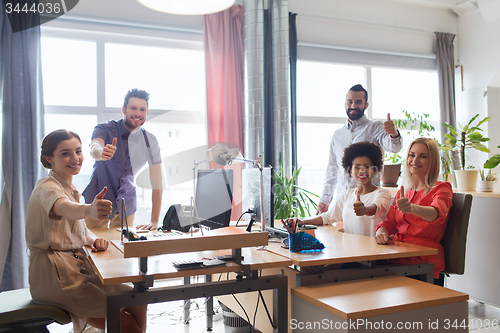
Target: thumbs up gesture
[
  {"x": 389, "y": 127},
  {"x": 359, "y": 206},
  {"x": 100, "y": 208},
  {"x": 109, "y": 150},
  {"x": 403, "y": 204}
]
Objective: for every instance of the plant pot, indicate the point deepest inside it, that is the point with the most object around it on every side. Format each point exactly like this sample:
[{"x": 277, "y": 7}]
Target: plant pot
[
  {"x": 466, "y": 180},
  {"x": 486, "y": 185},
  {"x": 448, "y": 177},
  {"x": 390, "y": 175}
]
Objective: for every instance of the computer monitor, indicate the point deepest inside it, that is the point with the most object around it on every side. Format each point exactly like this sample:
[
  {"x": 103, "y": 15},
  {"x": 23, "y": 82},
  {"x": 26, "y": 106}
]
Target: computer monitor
[
  {"x": 214, "y": 197},
  {"x": 251, "y": 194}
]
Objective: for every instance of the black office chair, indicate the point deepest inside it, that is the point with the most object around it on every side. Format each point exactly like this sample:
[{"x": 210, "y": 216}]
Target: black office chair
[
  {"x": 18, "y": 313},
  {"x": 455, "y": 237}
]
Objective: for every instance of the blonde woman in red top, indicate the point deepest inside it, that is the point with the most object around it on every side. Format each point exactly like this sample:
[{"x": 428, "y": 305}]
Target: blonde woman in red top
[{"x": 419, "y": 213}]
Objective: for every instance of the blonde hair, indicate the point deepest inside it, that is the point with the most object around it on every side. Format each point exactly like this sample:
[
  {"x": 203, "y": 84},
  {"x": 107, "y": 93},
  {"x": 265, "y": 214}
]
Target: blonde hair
[{"x": 432, "y": 173}]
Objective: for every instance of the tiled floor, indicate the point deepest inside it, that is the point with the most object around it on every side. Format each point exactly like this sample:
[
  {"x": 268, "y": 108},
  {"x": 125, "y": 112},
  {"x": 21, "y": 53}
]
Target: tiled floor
[
  {"x": 483, "y": 318},
  {"x": 168, "y": 317}
]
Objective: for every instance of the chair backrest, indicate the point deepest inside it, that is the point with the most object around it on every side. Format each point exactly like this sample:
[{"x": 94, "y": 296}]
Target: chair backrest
[{"x": 455, "y": 238}]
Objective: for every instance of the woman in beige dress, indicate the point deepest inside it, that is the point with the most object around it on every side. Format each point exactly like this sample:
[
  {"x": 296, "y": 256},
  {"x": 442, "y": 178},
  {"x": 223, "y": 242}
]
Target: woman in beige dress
[{"x": 60, "y": 273}]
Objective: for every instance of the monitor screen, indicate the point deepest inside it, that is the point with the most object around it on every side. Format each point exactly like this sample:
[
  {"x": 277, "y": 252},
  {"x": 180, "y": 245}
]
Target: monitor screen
[{"x": 214, "y": 197}]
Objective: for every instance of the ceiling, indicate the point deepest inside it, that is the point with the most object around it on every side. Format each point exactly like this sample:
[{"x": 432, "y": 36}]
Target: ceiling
[{"x": 133, "y": 12}]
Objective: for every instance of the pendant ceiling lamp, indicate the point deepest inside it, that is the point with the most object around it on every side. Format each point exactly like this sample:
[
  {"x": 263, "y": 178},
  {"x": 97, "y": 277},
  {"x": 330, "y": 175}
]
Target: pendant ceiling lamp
[{"x": 188, "y": 7}]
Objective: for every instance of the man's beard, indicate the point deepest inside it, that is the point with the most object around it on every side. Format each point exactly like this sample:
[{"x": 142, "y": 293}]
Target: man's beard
[
  {"x": 130, "y": 125},
  {"x": 356, "y": 116}
]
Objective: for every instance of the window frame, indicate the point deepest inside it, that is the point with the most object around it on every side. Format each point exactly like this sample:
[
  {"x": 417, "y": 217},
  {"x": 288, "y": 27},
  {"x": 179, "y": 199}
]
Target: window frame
[
  {"x": 120, "y": 34},
  {"x": 102, "y": 33}
]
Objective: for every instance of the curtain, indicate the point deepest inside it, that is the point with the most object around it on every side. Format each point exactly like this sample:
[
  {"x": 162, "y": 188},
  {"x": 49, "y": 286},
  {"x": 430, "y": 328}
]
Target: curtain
[
  {"x": 292, "y": 39},
  {"x": 445, "y": 58},
  {"x": 224, "y": 59},
  {"x": 22, "y": 131}
]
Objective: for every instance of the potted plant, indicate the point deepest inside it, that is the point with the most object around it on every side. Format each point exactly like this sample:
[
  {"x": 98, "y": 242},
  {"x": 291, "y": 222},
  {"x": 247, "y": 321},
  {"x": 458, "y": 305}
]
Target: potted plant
[
  {"x": 392, "y": 169},
  {"x": 393, "y": 161},
  {"x": 291, "y": 200},
  {"x": 467, "y": 136},
  {"x": 487, "y": 180}
]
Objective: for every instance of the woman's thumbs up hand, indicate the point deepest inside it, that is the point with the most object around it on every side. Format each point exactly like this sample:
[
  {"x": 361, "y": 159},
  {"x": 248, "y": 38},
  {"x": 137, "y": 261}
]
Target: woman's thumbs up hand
[{"x": 403, "y": 204}]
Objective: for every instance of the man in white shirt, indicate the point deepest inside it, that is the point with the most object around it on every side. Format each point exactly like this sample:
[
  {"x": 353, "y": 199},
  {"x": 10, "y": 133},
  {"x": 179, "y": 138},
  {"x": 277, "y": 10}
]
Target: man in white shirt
[{"x": 358, "y": 128}]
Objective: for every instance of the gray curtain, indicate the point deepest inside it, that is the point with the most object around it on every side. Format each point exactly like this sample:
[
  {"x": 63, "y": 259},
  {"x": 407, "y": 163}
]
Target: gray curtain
[
  {"x": 22, "y": 131},
  {"x": 445, "y": 57}
]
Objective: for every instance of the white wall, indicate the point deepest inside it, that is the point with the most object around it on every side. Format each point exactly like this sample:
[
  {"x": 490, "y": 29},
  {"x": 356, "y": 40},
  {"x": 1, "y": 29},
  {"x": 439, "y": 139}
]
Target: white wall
[
  {"x": 368, "y": 24},
  {"x": 479, "y": 54}
]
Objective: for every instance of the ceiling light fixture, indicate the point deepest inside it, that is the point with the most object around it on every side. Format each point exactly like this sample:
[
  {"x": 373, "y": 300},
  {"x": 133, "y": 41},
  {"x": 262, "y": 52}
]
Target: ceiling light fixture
[{"x": 185, "y": 7}]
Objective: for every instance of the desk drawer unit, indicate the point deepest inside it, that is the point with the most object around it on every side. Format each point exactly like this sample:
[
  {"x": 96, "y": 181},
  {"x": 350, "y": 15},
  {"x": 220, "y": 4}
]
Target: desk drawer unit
[{"x": 390, "y": 303}]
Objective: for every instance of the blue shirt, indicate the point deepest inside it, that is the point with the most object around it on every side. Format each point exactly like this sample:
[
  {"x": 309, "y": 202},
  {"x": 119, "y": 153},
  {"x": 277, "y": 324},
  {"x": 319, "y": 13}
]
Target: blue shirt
[{"x": 117, "y": 174}]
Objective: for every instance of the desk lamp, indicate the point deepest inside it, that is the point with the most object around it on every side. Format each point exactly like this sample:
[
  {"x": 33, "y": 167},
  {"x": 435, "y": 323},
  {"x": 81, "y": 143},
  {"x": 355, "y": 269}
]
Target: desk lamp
[{"x": 222, "y": 155}]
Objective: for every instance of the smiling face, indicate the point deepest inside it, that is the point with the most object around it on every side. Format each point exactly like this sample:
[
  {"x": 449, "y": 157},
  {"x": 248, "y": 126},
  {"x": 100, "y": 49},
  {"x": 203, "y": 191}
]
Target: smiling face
[
  {"x": 135, "y": 113},
  {"x": 355, "y": 104},
  {"x": 67, "y": 159},
  {"x": 362, "y": 170},
  {"x": 418, "y": 159}
]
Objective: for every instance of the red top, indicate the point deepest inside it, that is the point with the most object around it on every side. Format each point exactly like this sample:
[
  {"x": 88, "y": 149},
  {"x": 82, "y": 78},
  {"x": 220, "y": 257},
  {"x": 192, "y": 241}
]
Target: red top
[{"x": 411, "y": 229}]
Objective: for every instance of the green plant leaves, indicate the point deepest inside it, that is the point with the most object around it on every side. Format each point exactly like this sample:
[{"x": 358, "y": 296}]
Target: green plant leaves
[
  {"x": 492, "y": 162},
  {"x": 466, "y": 137},
  {"x": 291, "y": 200}
]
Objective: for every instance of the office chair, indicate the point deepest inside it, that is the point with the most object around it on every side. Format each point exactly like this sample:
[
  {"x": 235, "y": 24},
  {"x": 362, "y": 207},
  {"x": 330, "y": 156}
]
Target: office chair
[
  {"x": 18, "y": 313},
  {"x": 455, "y": 237}
]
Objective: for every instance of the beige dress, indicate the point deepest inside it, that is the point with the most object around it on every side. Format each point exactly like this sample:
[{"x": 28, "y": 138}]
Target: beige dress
[{"x": 60, "y": 273}]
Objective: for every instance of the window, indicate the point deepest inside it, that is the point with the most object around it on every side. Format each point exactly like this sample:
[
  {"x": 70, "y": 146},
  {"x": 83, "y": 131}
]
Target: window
[
  {"x": 395, "y": 90},
  {"x": 321, "y": 90},
  {"x": 174, "y": 77},
  {"x": 87, "y": 75},
  {"x": 69, "y": 72},
  {"x": 322, "y": 87}
]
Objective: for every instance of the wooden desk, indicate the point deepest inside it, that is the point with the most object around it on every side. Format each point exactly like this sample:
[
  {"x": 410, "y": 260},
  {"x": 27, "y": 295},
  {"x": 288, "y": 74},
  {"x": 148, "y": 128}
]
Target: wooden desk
[
  {"x": 345, "y": 248},
  {"x": 380, "y": 304},
  {"x": 112, "y": 267},
  {"x": 339, "y": 248}
]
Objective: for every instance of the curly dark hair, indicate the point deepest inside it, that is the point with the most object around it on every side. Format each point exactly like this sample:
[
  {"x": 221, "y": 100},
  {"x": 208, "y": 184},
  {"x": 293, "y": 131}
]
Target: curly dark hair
[{"x": 373, "y": 152}]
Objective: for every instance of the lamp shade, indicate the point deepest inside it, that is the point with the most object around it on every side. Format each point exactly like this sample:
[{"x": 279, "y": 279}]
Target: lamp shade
[
  {"x": 187, "y": 7},
  {"x": 222, "y": 155}
]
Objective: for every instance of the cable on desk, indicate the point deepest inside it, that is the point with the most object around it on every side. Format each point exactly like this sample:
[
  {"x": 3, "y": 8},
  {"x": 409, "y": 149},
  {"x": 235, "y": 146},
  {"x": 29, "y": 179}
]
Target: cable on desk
[
  {"x": 256, "y": 308},
  {"x": 249, "y": 211},
  {"x": 241, "y": 306}
]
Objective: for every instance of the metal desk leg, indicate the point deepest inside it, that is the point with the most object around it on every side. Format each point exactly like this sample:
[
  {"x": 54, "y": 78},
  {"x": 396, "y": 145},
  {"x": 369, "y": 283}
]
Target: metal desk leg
[
  {"x": 187, "y": 302},
  {"x": 209, "y": 307},
  {"x": 113, "y": 314},
  {"x": 280, "y": 312},
  {"x": 119, "y": 300}
]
